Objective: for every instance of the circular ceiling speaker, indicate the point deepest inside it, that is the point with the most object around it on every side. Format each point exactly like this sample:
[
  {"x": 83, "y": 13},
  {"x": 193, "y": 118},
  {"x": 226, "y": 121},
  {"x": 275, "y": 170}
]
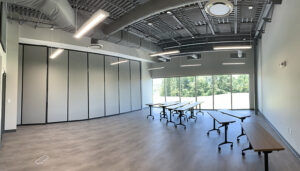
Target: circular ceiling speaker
[{"x": 218, "y": 8}]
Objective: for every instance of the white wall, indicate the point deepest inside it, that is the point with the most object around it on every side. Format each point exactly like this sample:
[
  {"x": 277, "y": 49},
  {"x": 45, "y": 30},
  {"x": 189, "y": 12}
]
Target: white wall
[
  {"x": 12, "y": 76},
  {"x": 280, "y": 94},
  {"x": 146, "y": 85},
  {"x": 211, "y": 65}
]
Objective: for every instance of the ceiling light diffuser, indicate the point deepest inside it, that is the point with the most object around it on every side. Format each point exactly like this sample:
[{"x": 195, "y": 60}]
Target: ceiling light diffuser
[
  {"x": 150, "y": 69},
  {"x": 190, "y": 65},
  {"x": 233, "y": 47},
  {"x": 119, "y": 62},
  {"x": 96, "y": 18},
  {"x": 165, "y": 53},
  {"x": 233, "y": 63},
  {"x": 56, "y": 53},
  {"x": 218, "y": 8}
]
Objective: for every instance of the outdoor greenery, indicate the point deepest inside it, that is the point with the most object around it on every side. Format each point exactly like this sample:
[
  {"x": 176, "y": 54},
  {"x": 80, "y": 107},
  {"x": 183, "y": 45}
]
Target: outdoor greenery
[{"x": 240, "y": 84}]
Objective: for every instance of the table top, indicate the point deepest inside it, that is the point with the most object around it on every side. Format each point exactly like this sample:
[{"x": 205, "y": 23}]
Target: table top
[
  {"x": 189, "y": 106},
  {"x": 178, "y": 105},
  {"x": 166, "y": 104},
  {"x": 221, "y": 118},
  {"x": 236, "y": 114},
  {"x": 260, "y": 139},
  {"x": 153, "y": 104}
]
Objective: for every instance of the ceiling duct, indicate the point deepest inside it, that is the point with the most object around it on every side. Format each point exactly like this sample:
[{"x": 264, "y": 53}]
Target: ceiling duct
[{"x": 59, "y": 11}]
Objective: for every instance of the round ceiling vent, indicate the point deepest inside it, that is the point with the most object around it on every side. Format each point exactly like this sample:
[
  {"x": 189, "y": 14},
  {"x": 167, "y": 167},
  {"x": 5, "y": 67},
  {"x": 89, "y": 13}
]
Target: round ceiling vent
[{"x": 218, "y": 8}]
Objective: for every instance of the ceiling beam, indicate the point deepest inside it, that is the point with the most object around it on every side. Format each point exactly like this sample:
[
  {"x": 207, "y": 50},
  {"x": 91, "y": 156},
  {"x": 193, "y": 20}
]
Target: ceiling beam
[
  {"x": 181, "y": 25},
  {"x": 266, "y": 10},
  {"x": 206, "y": 18},
  {"x": 235, "y": 17},
  {"x": 143, "y": 11}
]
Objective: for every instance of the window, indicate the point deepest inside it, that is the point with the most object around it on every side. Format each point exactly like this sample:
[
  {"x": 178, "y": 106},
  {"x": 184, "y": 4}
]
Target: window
[
  {"x": 172, "y": 89},
  {"x": 222, "y": 92},
  {"x": 158, "y": 90},
  {"x": 187, "y": 87},
  {"x": 240, "y": 92},
  {"x": 204, "y": 91}
]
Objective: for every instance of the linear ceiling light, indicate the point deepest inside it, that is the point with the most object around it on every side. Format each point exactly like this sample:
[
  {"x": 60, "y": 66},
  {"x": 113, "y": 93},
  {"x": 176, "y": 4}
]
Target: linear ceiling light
[
  {"x": 56, "y": 53},
  {"x": 190, "y": 65},
  {"x": 235, "y": 63},
  {"x": 232, "y": 47},
  {"x": 165, "y": 53},
  {"x": 96, "y": 18},
  {"x": 119, "y": 62},
  {"x": 150, "y": 69}
]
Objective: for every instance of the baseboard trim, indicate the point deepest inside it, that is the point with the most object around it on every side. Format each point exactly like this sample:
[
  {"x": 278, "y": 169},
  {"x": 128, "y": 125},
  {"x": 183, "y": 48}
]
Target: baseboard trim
[
  {"x": 280, "y": 136},
  {"x": 10, "y": 130}
]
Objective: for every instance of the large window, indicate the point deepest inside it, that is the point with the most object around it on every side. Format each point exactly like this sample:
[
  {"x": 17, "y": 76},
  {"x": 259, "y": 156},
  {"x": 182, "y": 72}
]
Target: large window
[
  {"x": 204, "y": 91},
  {"x": 240, "y": 91},
  {"x": 222, "y": 92},
  {"x": 158, "y": 90},
  {"x": 187, "y": 86},
  {"x": 172, "y": 89},
  {"x": 217, "y": 92}
]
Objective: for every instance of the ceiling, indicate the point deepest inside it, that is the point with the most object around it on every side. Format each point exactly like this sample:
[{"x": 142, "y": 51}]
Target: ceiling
[{"x": 183, "y": 27}]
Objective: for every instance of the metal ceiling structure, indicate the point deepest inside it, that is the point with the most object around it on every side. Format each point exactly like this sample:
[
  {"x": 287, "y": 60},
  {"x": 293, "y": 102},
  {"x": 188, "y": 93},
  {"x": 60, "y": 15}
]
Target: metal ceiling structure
[{"x": 187, "y": 27}]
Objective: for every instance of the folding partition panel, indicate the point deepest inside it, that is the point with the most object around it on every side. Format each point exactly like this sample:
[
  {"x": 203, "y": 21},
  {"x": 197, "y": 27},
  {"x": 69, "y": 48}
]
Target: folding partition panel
[
  {"x": 34, "y": 84},
  {"x": 96, "y": 85},
  {"x": 78, "y": 88},
  {"x": 135, "y": 85},
  {"x": 58, "y": 87},
  {"x": 124, "y": 87},
  {"x": 111, "y": 86}
]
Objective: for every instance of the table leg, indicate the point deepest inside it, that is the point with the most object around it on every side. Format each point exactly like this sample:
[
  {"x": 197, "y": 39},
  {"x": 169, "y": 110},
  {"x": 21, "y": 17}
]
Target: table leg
[
  {"x": 245, "y": 149},
  {"x": 199, "y": 110},
  {"x": 266, "y": 153},
  {"x": 150, "y": 115},
  {"x": 242, "y": 132},
  {"x": 214, "y": 128},
  {"x": 170, "y": 118},
  {"x": 164, "y": 114},
  {"x": 192, "y": 116},
  {"x": 225, "y": 142},
  {"x": 180, "y": 121}
]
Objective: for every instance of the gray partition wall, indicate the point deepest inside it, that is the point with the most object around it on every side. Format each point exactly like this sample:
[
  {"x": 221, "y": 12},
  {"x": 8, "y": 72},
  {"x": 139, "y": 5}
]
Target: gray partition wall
[
  {"x": 124, "y": 87},
  {"x": 34, "y": 84},
  {"x": 136, "y": 101},
  {"x": 58, "y": 87},
  {"x": 111, "y": 86},
  {"x": 78, "y": 86},
  {"x": 96, "y": 85}
]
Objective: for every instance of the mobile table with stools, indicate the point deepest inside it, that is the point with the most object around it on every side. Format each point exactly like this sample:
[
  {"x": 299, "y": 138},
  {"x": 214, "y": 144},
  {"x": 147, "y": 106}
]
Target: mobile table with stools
[
  {"x": 181, "y": 111},
  {"x": 174, "y": 107},
  {"x": 163, "y": 114},
  {"x": 224, "y": 121},
  {"x": 238, "y": 115},
  {"x": 260, "y": 140}
]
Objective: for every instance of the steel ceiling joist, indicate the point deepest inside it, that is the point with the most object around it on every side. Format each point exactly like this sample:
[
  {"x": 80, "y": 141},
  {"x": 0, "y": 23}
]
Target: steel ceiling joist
[{"x": 206, "y": 18}]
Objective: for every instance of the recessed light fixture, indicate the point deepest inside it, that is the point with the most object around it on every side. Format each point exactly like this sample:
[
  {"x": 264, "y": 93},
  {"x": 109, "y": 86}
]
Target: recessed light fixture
[
  {"x": 150, "y": 24},
  {"x": 190, "y": 65},
  {"x": 150, "y": 69},
  {"x": 56, "y": 53},
  {"x": 96, "y": 18},
  {"x": 119, "y": 62},
  {"x": 250, "y": 7},
  {"x": 219, "y": 8},
  {"x": 232, "y": 47},
  {"x": 233, "y": 63},
  {"x": 165, "y": 53}
]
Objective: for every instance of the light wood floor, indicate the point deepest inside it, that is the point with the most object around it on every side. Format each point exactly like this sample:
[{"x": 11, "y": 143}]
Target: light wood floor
[{"x": 130, "y": 142}]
